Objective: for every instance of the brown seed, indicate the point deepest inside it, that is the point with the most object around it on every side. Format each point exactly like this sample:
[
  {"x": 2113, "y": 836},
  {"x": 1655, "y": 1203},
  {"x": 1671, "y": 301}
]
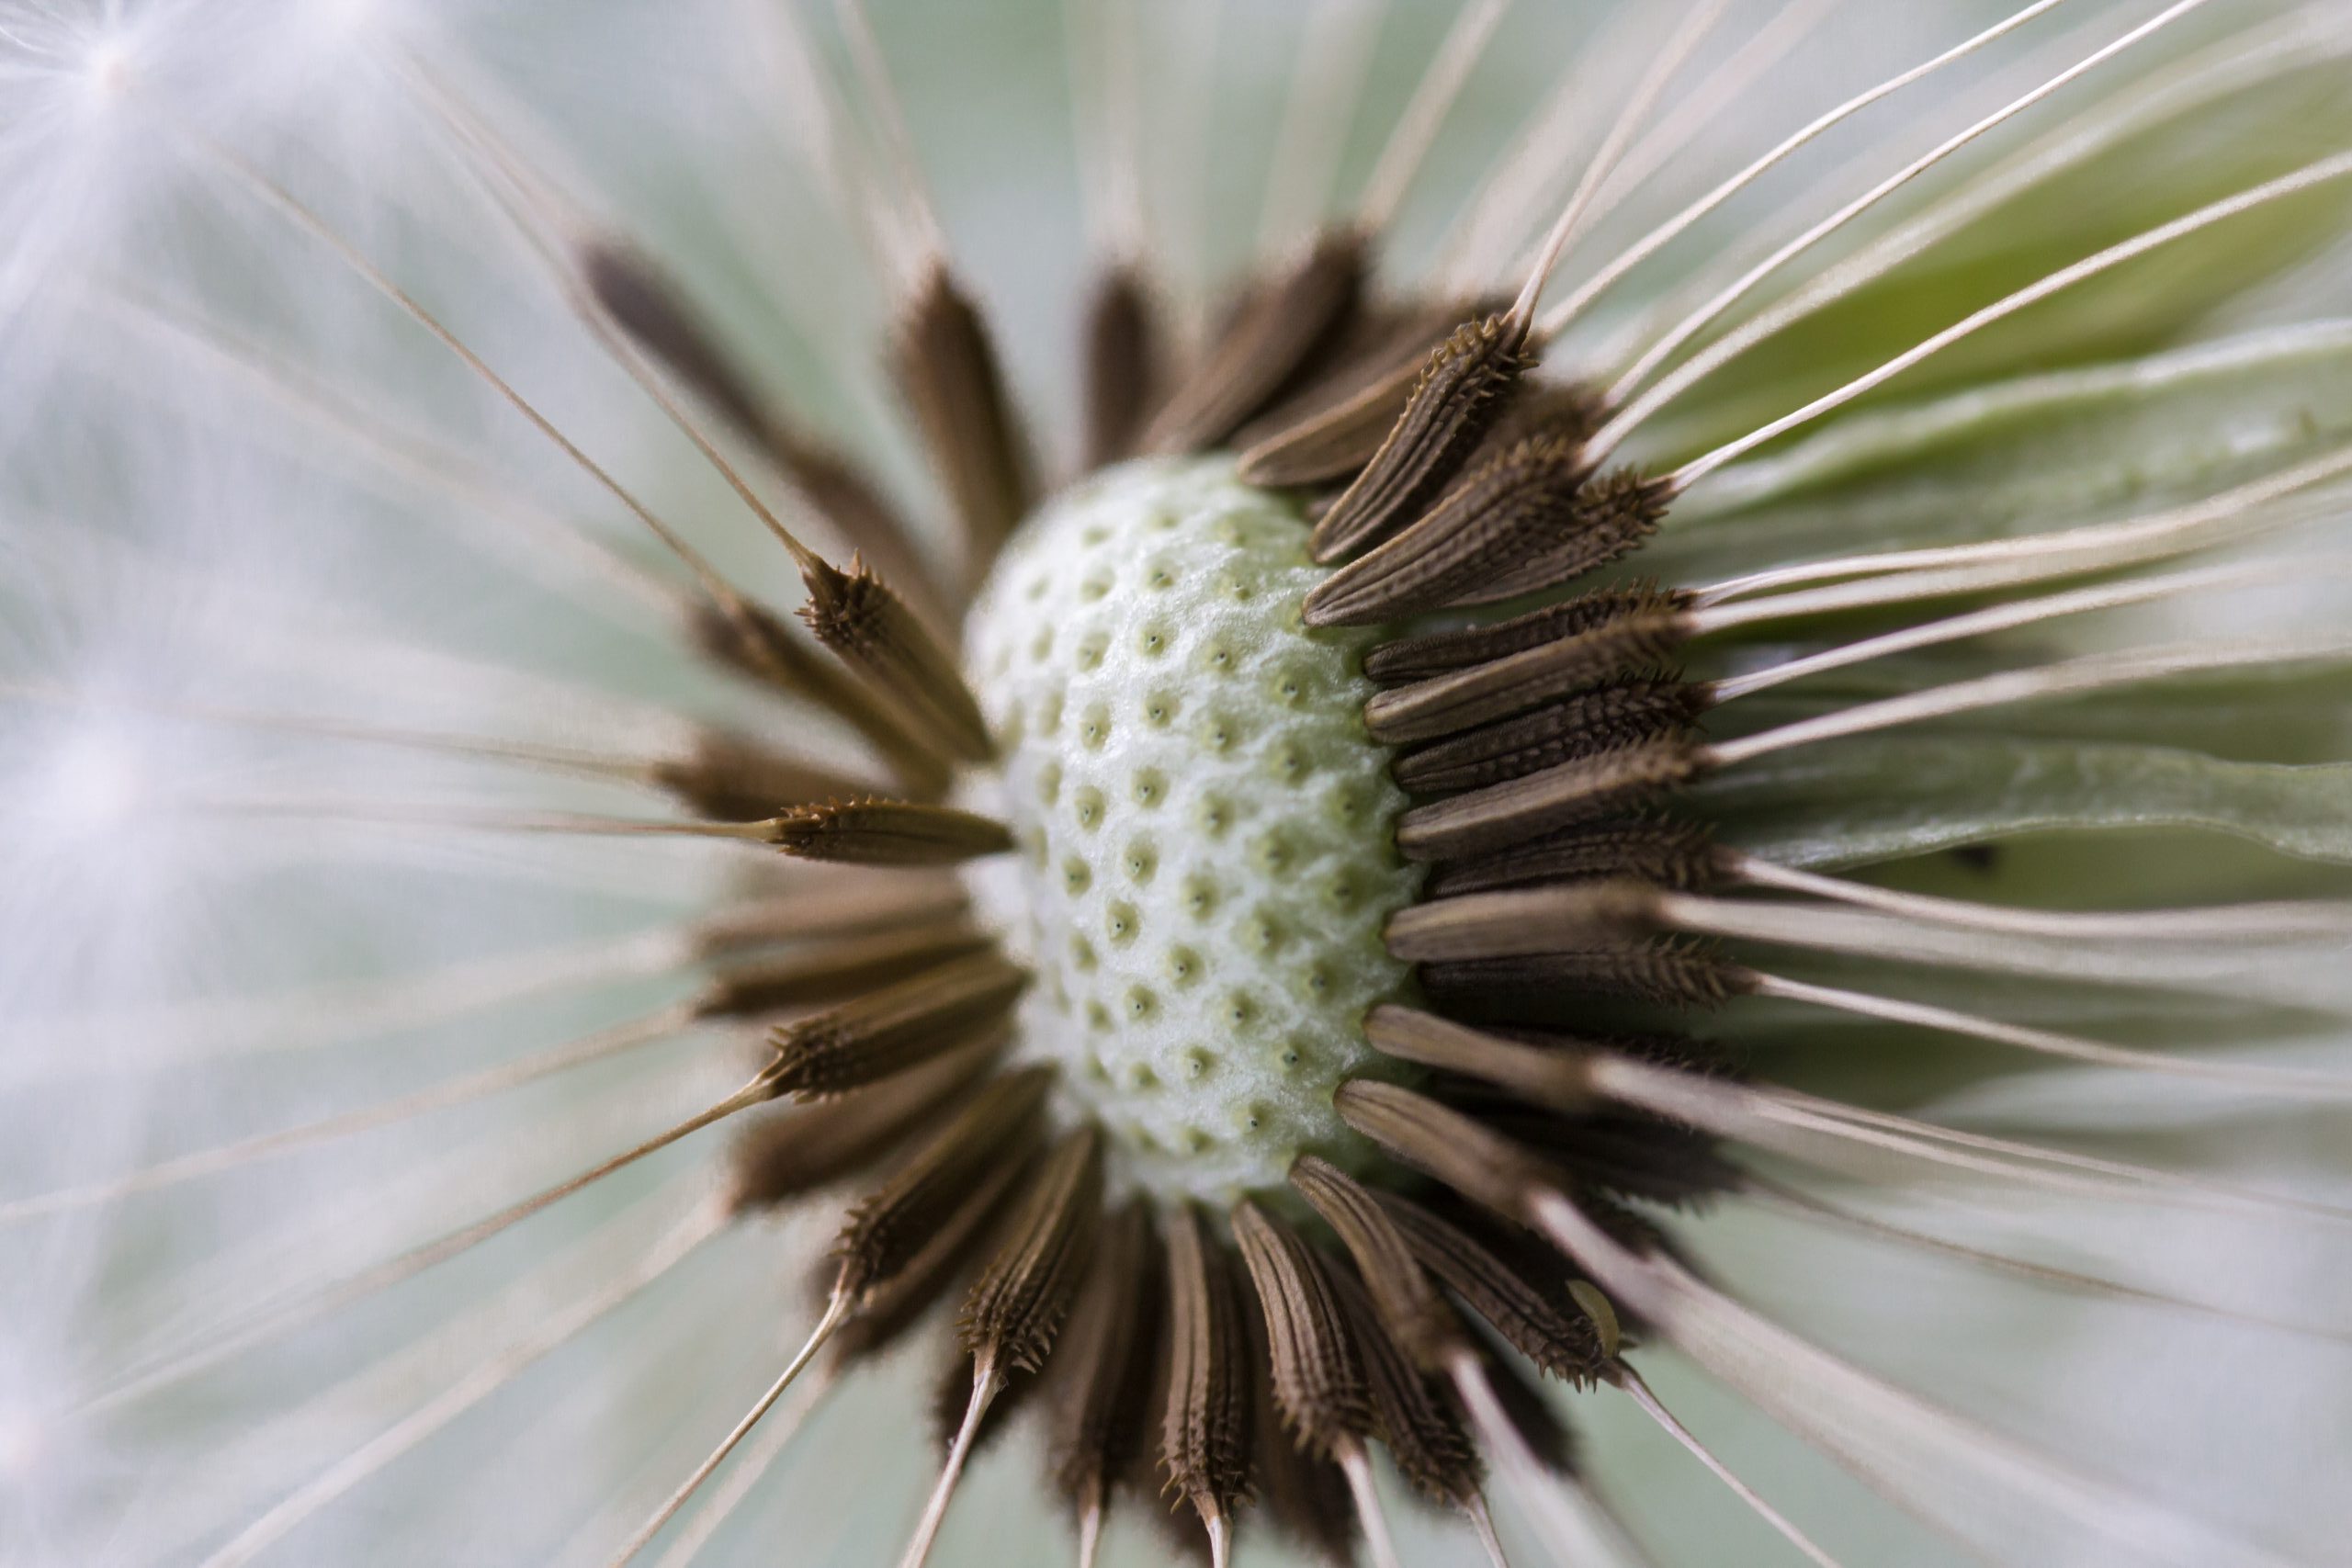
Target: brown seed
[
  {"x": 903, "y": 1301},
  {"x": 1613, "y": 517},
  {"x": 1125, "y": 365},
  {"x": 1670, "y": 973},
  {"x": 1462, "y": 390},
  {"x": 1273, "y": 337},
  {"x": 650, "y": 309},
  {"x": 1663, "y": 852},
  {"x": 1318, "y": 1369},
  {"x": 1017, "y": 1305},
  {"x": 1558, "y": 1077},
  {"x": 1204, "y": 1427},
  {"x": 1565, "y": 411},
  {"x": 792, "y": 1150},
  {"x": 1623, "y": 1152},
  {"x": 1436, "y": 653},
  {"x": 1305, "y": 1494},
  {"x": 1502, "y": 816},
  {"x": 1423, "y": 1325},
  {"x": 895, "y": 1027},
  {"x": 1561, "y": 1342},
  {"x": 832, "y": 971},
  {"x": 838, "y": 491},
  {"x": 1481, "y": 694},
  {"x": 890, "y": 1227},
  {"x": 886, "y": 832},
  {"x": 1511, "y": 508},
  {"x": 1572, "y": 919},
  {"x": 830, "y": 904},
  {"x": 1329, "y": 432},
  {"x": 946, "y": 369},
  {"x": 656, "y": 315},
  {"x": 1580, "y": 726},
  {"x": 1101, "y": 1376},
  {"x": 871, "y": 629},
  {"x": 1424, "y": 1436},
  {"x": 757, "y": 643},
  {"x": 1489, "y": 1170},
  {"x": 732, "y": 778}
]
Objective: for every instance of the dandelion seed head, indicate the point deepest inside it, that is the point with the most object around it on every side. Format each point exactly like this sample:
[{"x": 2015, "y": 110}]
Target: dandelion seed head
[
  {"x": 434, "y": 873},
  {"x": 1201, "y": 882}
]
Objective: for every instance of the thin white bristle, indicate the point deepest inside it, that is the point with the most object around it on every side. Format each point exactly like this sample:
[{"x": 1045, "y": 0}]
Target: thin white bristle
[
  {"x": 1356, "y": 1465},
  {"x": 1416, "y": 130},
  {"x": 2302, "y": 1086},
  {"x": 776, "y": 1435},
  {"x": 800, "y": 89},
  {"x": 898, "y": 141},
  {"x": 1639, "y": 1389},
  {"x": 1695, "y": 25},
  {"x": 1825, "y": 1132},
  {"x": 1926, "y": 1458},
  {"x": 2305, "y": 178},
  {"x": 834, "y": 1311},
  {"x": 2165, "y": 95},
  {"x": 548, "y": 549},
  {"x": 549, "y": 223},
  {"x": 278, "y": 1317},
  {"x": 2022, "y": 612},
  {"x": 342, "y": 1014},
  {"x": 1804, "y": 1205},
  {"x": 1672, "y": 341},
  {"x": 304, "y": 218},
  {"x": 2227, "y": 923},
  {"x": 985, "y": 1388},
  {"x": 1717, "y": 94},
  {"x": 2092, "y": 672},
  {"x": 463, "y": 1395},
  {"x": 1897, "y": 576},
  {"x": 1482, "y": 1523},
  {"x": 1574, "y": 1528},
  {"x": 1335, "y": 51},
  {"x": 590, "y": 1048},
  {"x": 1557, "y": 319}
]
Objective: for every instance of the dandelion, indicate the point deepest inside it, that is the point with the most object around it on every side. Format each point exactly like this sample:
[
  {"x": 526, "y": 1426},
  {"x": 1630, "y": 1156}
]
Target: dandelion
[{"x": 1648, "y": 793}]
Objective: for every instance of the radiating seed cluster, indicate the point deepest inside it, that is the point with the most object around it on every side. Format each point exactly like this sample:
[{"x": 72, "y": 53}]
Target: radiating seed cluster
[{"x": 1204, "y": 866}]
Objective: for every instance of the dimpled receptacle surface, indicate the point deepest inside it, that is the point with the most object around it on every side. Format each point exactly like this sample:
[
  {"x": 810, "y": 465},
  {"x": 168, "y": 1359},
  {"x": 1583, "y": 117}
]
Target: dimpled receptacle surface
[{"x": 1205, "y": 858}]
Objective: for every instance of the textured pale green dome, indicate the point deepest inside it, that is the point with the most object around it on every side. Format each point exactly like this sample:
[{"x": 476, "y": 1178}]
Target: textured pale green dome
[{"x": 1205, "y": 860}]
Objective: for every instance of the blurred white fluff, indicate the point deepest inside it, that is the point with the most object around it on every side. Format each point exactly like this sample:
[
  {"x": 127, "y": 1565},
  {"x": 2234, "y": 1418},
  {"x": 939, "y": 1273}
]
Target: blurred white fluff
[{"x": 179, "y": 971}]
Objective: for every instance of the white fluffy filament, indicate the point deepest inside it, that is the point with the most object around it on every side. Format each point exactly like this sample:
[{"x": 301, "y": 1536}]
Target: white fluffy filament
[
  {"x": 278, "y": 1317},
  {"x": 1356, "y": 1465},
  {"x": 1947, "y": 1470},
  {"x": 776, "y": 1433},
  {"x": 1575, "y": 1526},
  {"x": 467, "y": 1392},
  {"x": 1415, "y": 131},
  {"x": 1695, "y": 25},
  {"x": 1671, "y": 342},
  {"x": 834, "y": 1311},
  {"x": 986, "y": 1386},
  {"x": 1557, "y": 319},
  {"x": 1899, "y": 576},
  {"x": 588, "y": 1048},
  {"x": 2305, "y": 178},
  {"x": 1638, "y": 1389},
  {"x": 2073, "y": 677}
]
